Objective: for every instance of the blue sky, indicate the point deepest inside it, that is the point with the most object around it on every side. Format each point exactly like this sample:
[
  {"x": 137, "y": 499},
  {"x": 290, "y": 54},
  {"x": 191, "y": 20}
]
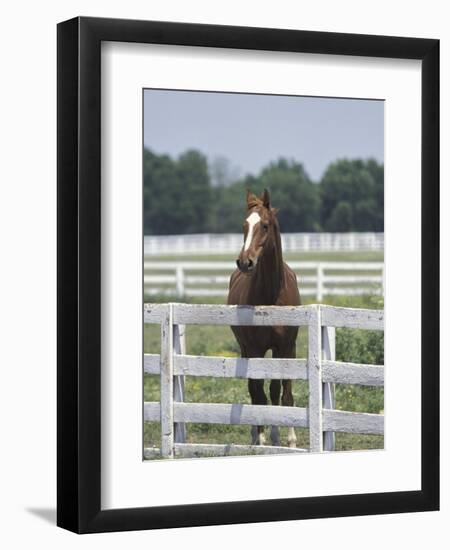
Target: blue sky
[{"x": 252, "y": 130}]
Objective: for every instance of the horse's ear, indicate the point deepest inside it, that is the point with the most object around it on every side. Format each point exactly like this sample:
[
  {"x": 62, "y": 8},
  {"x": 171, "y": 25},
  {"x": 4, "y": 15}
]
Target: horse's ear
[
  {"x": 265, "y": 197},
  {"x": 274, "y": 211},
  {"x": 251, "y": 199}
]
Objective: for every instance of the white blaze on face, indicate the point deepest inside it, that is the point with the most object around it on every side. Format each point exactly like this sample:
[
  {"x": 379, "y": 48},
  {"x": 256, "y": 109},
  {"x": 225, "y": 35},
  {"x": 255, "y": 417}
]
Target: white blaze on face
[{"x": 252, "y": 220}]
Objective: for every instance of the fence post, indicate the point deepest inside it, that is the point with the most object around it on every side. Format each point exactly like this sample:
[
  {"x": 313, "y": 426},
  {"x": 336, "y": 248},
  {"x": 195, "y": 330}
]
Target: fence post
[
  {"x": 307, "y": 241},
  {"x": 179, "y": 273},
  {"x": 319, "y": 282},
  {"x": 315, "y": 380},
  {"x": 166, "y": 399},
  {"x": 328, "y": 388},
  {"x": 179, "y": 347}
]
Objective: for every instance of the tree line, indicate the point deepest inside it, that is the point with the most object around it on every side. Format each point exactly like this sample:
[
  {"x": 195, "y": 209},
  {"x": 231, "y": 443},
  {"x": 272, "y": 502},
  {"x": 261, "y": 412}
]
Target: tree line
[{"x": 179, "y": 196}]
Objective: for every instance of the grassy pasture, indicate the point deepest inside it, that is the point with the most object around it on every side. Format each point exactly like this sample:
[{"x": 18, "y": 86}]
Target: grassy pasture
[
  {"x": 351, "y": 345},
  {"x": 351, "y": 256}
]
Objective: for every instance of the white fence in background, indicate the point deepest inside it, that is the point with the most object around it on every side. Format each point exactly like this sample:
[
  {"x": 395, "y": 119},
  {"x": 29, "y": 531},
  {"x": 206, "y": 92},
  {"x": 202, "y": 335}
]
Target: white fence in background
[
  {"x": 320, "y": 369},
  {"x": 230, "y": 243},
  {"x": 314, "y": 278}
]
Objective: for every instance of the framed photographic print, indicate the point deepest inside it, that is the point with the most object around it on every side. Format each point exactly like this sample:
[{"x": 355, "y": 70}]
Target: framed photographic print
[{"x": 248, "y": 307}]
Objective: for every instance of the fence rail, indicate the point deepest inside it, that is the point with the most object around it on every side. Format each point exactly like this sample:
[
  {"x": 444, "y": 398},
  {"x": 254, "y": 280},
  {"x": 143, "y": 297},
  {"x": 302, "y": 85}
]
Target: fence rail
[
  {"x": 209, "y": 243},
  {"x": 315, "y": 278},
  {"x": 320, "y": 369}
]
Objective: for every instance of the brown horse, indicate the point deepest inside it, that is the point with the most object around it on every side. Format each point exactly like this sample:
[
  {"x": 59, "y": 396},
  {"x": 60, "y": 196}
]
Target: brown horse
[{"x": 263, "y": 278}]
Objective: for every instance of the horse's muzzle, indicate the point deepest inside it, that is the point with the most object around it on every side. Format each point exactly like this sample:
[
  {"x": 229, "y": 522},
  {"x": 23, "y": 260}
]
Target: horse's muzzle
[{"x": 245, "y": 265}]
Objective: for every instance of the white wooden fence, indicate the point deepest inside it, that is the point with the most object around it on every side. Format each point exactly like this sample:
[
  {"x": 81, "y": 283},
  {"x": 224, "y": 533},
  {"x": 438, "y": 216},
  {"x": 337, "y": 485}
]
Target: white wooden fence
[
  {"x": 320, "y": 369},
  {"x": 211, "y": 278},
  {"x": 211, "y": 243}
]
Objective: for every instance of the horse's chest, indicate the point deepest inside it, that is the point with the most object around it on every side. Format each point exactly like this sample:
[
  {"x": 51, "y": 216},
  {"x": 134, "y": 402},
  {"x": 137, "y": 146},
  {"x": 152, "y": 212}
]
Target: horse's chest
[{"x": 257, "y": 340}]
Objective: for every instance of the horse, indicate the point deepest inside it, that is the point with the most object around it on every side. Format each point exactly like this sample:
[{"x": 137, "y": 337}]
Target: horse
[{"x": 263, "y": 278}]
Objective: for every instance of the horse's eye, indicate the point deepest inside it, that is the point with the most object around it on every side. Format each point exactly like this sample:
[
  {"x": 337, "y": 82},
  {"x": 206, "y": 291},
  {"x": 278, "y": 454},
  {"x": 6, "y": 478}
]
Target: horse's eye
[{"x": 265, "y": 226}]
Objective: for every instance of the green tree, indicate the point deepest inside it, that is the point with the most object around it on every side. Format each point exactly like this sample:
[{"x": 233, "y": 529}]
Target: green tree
[
  {"x": 377, "y": 172},
  {"x": 179, "y": 197},
  {"x": 176, "y": 194},
  {"x": 195, "y": 191},
  {"x": 229, "y": 206},
  {"x": 161, "y": 194},
  {"x": 352, "y": 196},
  {"x": 341, "y": 219},
  {"x": 294, "y": 194},
  {"x": 291, "y": 191}
]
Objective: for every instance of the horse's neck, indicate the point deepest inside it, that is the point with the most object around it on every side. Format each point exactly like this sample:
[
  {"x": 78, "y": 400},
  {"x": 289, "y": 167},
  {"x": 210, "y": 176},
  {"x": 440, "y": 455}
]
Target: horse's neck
[{"x": 269, "y": 275}]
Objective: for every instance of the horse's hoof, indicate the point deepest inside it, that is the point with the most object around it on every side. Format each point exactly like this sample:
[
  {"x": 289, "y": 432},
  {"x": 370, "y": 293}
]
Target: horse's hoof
[{"x": 292, "y": 438}]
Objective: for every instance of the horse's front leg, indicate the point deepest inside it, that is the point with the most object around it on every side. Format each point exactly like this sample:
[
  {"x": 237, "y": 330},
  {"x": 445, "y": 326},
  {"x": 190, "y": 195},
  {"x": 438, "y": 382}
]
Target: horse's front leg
[
  {"x": 258, "y": 397},
  {"x": 275, "y": 391},
  {"x": 287, "y": 399}
]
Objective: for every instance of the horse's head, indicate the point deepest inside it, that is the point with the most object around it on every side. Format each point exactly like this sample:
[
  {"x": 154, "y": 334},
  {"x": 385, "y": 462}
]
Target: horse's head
[{"x": 260, "y": 228}]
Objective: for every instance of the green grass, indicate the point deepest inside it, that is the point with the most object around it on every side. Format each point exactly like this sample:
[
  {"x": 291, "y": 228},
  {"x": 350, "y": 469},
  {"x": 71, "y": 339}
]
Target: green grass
[{"x": 351, "y": 345}]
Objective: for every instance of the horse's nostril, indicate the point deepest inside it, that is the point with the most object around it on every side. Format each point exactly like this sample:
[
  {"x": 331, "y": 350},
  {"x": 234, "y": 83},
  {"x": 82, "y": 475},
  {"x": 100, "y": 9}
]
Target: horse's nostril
[
  {"x": 238, "y": 263},
  {"x": 250, "y": 263}
]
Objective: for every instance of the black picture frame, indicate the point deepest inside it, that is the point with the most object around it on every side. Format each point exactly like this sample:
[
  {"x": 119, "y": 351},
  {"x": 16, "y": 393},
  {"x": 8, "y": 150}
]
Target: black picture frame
[{"x": 79, "y": 276}]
